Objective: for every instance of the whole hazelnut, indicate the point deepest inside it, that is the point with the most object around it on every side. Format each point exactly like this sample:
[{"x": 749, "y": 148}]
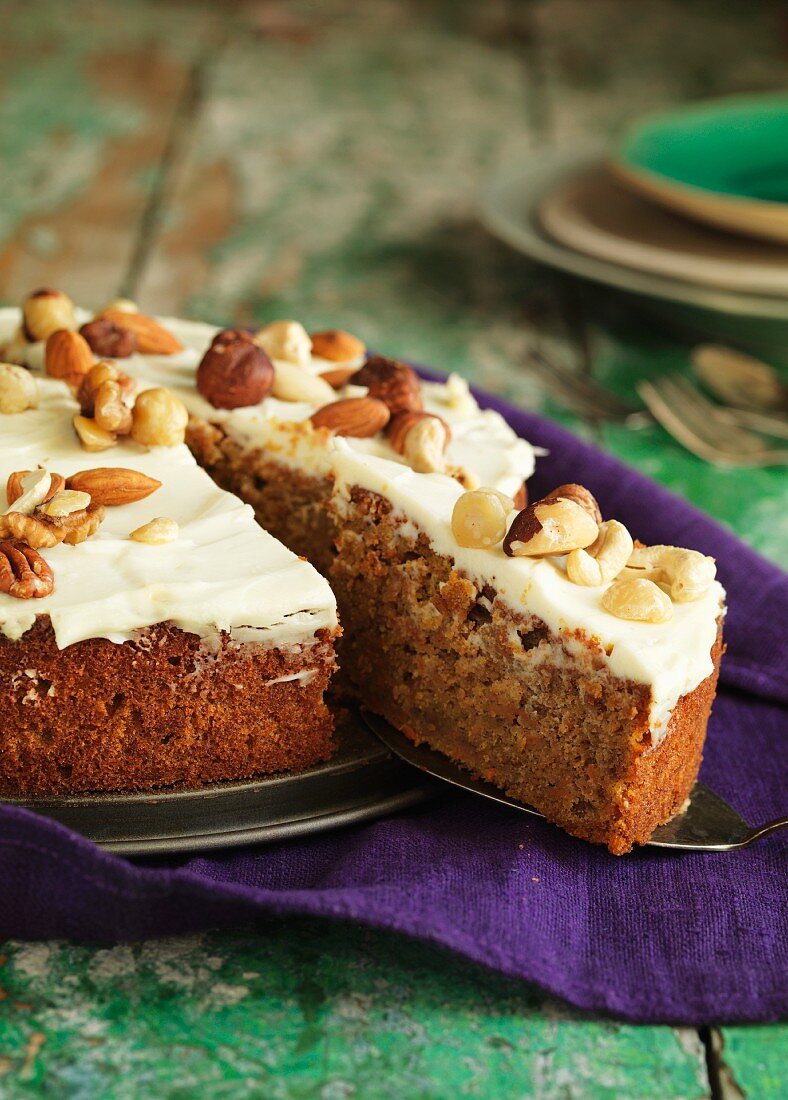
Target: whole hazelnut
[
  {"x": 44, "y": 312},
  {"x": 234, "y": 372}
]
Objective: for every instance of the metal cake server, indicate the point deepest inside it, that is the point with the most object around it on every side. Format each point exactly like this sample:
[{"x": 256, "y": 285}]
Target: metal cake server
[{"x": 708, "y": 824}]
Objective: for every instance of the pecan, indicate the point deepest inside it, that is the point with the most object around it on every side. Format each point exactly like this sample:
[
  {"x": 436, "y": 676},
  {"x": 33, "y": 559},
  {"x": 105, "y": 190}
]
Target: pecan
[
  {"x": 234, "y": 372},
  {"x": 23, "y": 572},
  {"x": 41, "y": 531},
  {"x": 394, "y": 383},
  {"x": 358, "y": 417},
  {"x": 108, "y": 340}
]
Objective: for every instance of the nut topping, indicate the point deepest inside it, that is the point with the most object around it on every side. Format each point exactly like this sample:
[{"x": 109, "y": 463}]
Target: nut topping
[
  {"x": 157, "y": 532},
  {"x": 92, "y": 436},
  {"x": 479, "y": 517},
  {"x": 96, "y": 376},
  {"x": 107, "y": 339},
  {"x": 292, "y": 383},
  {"x": 46, "y": 311},
  {"x": 152, "y": 338},
  {"x": 685, "y": 574},
  {"x": 358, "y": 417},
  {"x": 580, "y": 495},
  {"x": 421, "y": 439},
  {"x": 550, "y": 527},
  {"x": 113, "y": 486},
  {"x": 337, "y": 346},
  {"x": 15, "y": 486},
  {"x": 392, "y": 382},
  {"x": 159, "y": 419},
  {"x": 40, "y": 530},
  {"x": 604, "y": 559},
  {"x": 23, "y": 572},
  {"x": 65, "y": 503},
  {"x": 18, "y": 389},
  {"x": 109, "y": 410},
  {"x": 67, "y": 356},
  {"x": 338, "y": 378},
  {"x": 638, "y": 599},
  {"x": 35, "y": 486},
  {"x": 287, "y": 340},
  {"x": 234, "y": 372}
]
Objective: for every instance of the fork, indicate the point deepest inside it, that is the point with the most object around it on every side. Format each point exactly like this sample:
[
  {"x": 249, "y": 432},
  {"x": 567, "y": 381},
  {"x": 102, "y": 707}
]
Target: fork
[
  {"x": 713, "y": 433},
  {"x": 585, "y": 395}
]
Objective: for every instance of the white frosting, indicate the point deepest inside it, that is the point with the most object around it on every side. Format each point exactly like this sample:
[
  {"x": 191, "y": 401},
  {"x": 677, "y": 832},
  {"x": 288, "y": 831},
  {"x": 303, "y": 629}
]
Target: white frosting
[
  {"x": 482, "y": 442},
  {"x": 223, "y": 573},
  {"x": 672, "y": 657}
]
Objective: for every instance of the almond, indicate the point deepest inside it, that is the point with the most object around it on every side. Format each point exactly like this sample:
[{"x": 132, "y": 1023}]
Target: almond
[
  {"x": 15, "y": 488},
  {"x": 152, "y": 338},
  {"x": 113, "y": 485},
  {"x": 353, "y": 416},
  {"x": 68, "y": 356},
  {"x": 337, "y": 346},
  {"x": 339, "y": 377}
]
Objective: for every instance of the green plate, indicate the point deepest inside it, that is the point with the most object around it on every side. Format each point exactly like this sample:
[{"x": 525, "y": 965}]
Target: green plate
[{"x": 724, "y": 162}]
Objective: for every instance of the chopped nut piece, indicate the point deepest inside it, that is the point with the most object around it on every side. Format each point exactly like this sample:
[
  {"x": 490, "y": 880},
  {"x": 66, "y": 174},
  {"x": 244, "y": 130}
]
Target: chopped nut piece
[
  {"x": 23, "y": 572},
  {"x": 157, "y": 532},
  {"x": 159, "y": 419},
  {"x": 605, "y": 557},
  {"x": 40, "y": 530},
  {"x": 394, "y": 383},
  {"x": 550, "y": 527},
  {"x": 293, "y": 383},
  {"x": 67, "y": 356},
  {"x": 337, "y": 346},
  {"x": 234, "y": 372},
  {"x": 479, "y": 517},
  {"x": 92, "y": 436},
  {"x": 105, "y": 338},
  {"x": 65, "y": 502},
  {"x": 18, "y": 389},
  {"x": 109, "y": 411},
  {"x": 113, "y": 485},
  {"x": 359, "y": 417},
  {"x": 685, "y": 574},
  {"x": 46, "y": 311},
  {"x": 287, "y": 340},
  {"x": 96, "y": 376},
  {"x": 638, "y": 599},
  {"x": 36, "y": 487},
  {"x": 15, "y": 486}
]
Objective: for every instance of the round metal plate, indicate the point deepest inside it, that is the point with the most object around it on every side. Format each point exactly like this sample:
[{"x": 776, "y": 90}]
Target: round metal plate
[{"x": 363, "y": 780}]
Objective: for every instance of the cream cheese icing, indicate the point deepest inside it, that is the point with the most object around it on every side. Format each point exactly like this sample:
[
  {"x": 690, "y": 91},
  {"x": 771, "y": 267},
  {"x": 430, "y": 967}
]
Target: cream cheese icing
[
  {"x": 482, "y": 442},
  {"x": 223, "y": 573},
  {"x": 671, "y": 657}
]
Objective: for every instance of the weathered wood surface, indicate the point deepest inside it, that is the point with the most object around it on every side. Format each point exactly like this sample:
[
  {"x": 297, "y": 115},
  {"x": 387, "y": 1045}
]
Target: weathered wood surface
[{"x": 248, "y": 161}]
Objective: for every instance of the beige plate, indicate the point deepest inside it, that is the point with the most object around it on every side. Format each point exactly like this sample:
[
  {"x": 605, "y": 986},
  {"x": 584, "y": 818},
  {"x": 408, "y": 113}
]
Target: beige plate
[
  {"x": 767, "y": 220},
  {"x": 590, "y": 211}
]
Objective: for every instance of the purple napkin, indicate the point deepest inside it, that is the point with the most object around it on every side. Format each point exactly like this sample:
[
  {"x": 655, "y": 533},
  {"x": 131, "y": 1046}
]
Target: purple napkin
[{"x": 654, "y": 936}]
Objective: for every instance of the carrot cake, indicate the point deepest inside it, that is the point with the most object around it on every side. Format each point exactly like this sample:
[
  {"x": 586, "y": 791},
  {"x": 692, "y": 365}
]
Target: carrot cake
[
  {"x": 539, "y": 647},
  {"x": 152, "y": 632}
]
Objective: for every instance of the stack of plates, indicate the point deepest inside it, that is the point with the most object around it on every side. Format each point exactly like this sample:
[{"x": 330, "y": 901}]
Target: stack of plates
[{"x": 692, "y": 211}]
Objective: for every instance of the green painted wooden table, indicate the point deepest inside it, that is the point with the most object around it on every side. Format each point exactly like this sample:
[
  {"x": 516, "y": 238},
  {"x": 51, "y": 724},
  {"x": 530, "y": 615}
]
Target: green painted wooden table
[{"x": 322, "y": 160}]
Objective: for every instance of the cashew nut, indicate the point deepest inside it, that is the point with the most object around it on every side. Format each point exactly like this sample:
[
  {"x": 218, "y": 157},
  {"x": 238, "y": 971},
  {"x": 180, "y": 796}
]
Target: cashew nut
[
  {"x": 638, "y": 599},
  {"x": 603, "y": 559},
  {"x": 684, "y": 574}
]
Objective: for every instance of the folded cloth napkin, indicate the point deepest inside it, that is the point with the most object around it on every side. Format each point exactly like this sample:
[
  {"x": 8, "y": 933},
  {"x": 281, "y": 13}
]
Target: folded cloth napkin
[{"x": 654, "y": 936}]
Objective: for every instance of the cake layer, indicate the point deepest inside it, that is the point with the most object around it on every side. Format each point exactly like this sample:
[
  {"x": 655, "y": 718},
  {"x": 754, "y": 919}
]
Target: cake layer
[
  {"x": 162, "y": 708},
  {"x": 533, "y": 707},
  {"x": 671, "y": 658}
]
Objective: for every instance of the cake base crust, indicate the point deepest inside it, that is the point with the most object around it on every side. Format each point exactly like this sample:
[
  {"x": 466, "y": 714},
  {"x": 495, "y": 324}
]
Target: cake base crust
[
  {"x": 537, "y": 714},
  {"x": 159, "y": 710}
]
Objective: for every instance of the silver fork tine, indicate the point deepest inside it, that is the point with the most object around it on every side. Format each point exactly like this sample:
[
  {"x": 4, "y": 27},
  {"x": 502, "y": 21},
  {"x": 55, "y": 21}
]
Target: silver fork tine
[
  {"x": 670, "y": 408},
  {"x": 586, "y": 394},
  {"x": 705, "y": 416}
]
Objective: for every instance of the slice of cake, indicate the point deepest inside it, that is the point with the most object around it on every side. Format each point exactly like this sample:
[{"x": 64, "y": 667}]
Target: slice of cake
[
  {"x": 540, "y": 648},
  {"x": 151, "y": 632}
]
